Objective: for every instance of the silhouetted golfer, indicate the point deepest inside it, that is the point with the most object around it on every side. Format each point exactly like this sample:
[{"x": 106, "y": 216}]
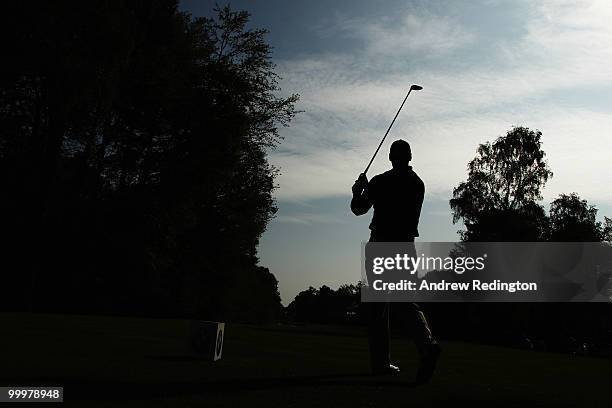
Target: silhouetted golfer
[{"x": 397, "y": 197}]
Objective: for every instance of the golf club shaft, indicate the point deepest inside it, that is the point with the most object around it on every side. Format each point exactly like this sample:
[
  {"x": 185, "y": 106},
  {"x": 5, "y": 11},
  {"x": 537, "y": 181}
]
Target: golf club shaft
[{"x": 387, "y": 132}]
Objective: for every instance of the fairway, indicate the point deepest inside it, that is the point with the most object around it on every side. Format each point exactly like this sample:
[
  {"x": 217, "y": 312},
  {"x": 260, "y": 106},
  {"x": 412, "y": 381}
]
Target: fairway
[{"x": 112, "y": 361}]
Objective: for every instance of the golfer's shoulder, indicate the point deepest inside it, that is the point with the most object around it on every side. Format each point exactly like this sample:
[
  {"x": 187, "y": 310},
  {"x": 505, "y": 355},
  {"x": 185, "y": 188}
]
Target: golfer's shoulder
[
  {"x": 379, "y": 177},
  {"x": 382, "y": 178},
  {"x": 416, "y": 180}
]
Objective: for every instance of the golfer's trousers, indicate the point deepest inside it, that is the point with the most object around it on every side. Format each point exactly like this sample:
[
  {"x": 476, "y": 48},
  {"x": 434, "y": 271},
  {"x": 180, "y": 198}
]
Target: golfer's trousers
[{"x": 378, "y": 324}]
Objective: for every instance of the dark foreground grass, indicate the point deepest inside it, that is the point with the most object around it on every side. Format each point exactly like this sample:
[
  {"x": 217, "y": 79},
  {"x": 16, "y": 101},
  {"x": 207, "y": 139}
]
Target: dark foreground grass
[{"x": 117, "y": 362}]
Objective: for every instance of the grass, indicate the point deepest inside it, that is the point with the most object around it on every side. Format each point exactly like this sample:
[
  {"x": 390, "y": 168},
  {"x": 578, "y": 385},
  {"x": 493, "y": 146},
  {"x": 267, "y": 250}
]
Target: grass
[{"x": 120, "y": 362}]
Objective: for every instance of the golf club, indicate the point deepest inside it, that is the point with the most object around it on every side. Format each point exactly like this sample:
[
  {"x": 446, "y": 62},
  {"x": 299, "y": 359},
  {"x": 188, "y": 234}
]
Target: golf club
[{"x": 413, "y": 87}]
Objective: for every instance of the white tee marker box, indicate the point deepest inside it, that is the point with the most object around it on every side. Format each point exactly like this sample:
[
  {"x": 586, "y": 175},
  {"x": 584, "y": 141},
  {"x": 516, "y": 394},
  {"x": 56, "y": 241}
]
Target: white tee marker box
[{"x": 207, "y": 339}]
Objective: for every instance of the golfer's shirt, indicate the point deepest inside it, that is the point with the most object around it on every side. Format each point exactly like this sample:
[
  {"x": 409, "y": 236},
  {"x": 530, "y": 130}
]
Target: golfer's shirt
[{"x": 397, "y": 197}]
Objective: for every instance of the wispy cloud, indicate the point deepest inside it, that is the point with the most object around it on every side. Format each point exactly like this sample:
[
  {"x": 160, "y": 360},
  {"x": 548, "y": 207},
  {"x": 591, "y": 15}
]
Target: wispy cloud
[{"x": 409, "y": 34}]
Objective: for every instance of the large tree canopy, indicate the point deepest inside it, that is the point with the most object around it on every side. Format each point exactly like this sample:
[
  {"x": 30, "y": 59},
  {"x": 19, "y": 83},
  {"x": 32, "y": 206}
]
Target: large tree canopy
[
  {"x": 133, "y": 142},
  {"x": 499, "y": 199}
]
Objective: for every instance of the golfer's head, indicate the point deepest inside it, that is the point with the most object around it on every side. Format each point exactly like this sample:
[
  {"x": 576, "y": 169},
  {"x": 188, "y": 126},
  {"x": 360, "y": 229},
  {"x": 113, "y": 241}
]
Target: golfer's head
[{"x": 400, "y": 153}]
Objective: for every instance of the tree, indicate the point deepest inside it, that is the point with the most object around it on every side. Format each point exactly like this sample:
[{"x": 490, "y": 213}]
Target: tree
[
  {"x": 573, "y": 219},
  {"x": 498, "y": 201},
  {"x": 133, "y": 156}
]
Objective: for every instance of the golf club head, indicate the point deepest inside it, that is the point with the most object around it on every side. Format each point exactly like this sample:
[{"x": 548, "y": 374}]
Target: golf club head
[{"x": 415, "y": 87}]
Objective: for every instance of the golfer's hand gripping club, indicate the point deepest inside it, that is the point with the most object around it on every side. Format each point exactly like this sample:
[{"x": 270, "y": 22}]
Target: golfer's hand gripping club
[{"x": 360, "y": 184}]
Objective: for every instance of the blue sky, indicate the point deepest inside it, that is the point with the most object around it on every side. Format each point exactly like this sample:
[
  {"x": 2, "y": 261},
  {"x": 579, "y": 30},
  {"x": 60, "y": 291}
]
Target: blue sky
[{"x": 485, "y": 66}]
